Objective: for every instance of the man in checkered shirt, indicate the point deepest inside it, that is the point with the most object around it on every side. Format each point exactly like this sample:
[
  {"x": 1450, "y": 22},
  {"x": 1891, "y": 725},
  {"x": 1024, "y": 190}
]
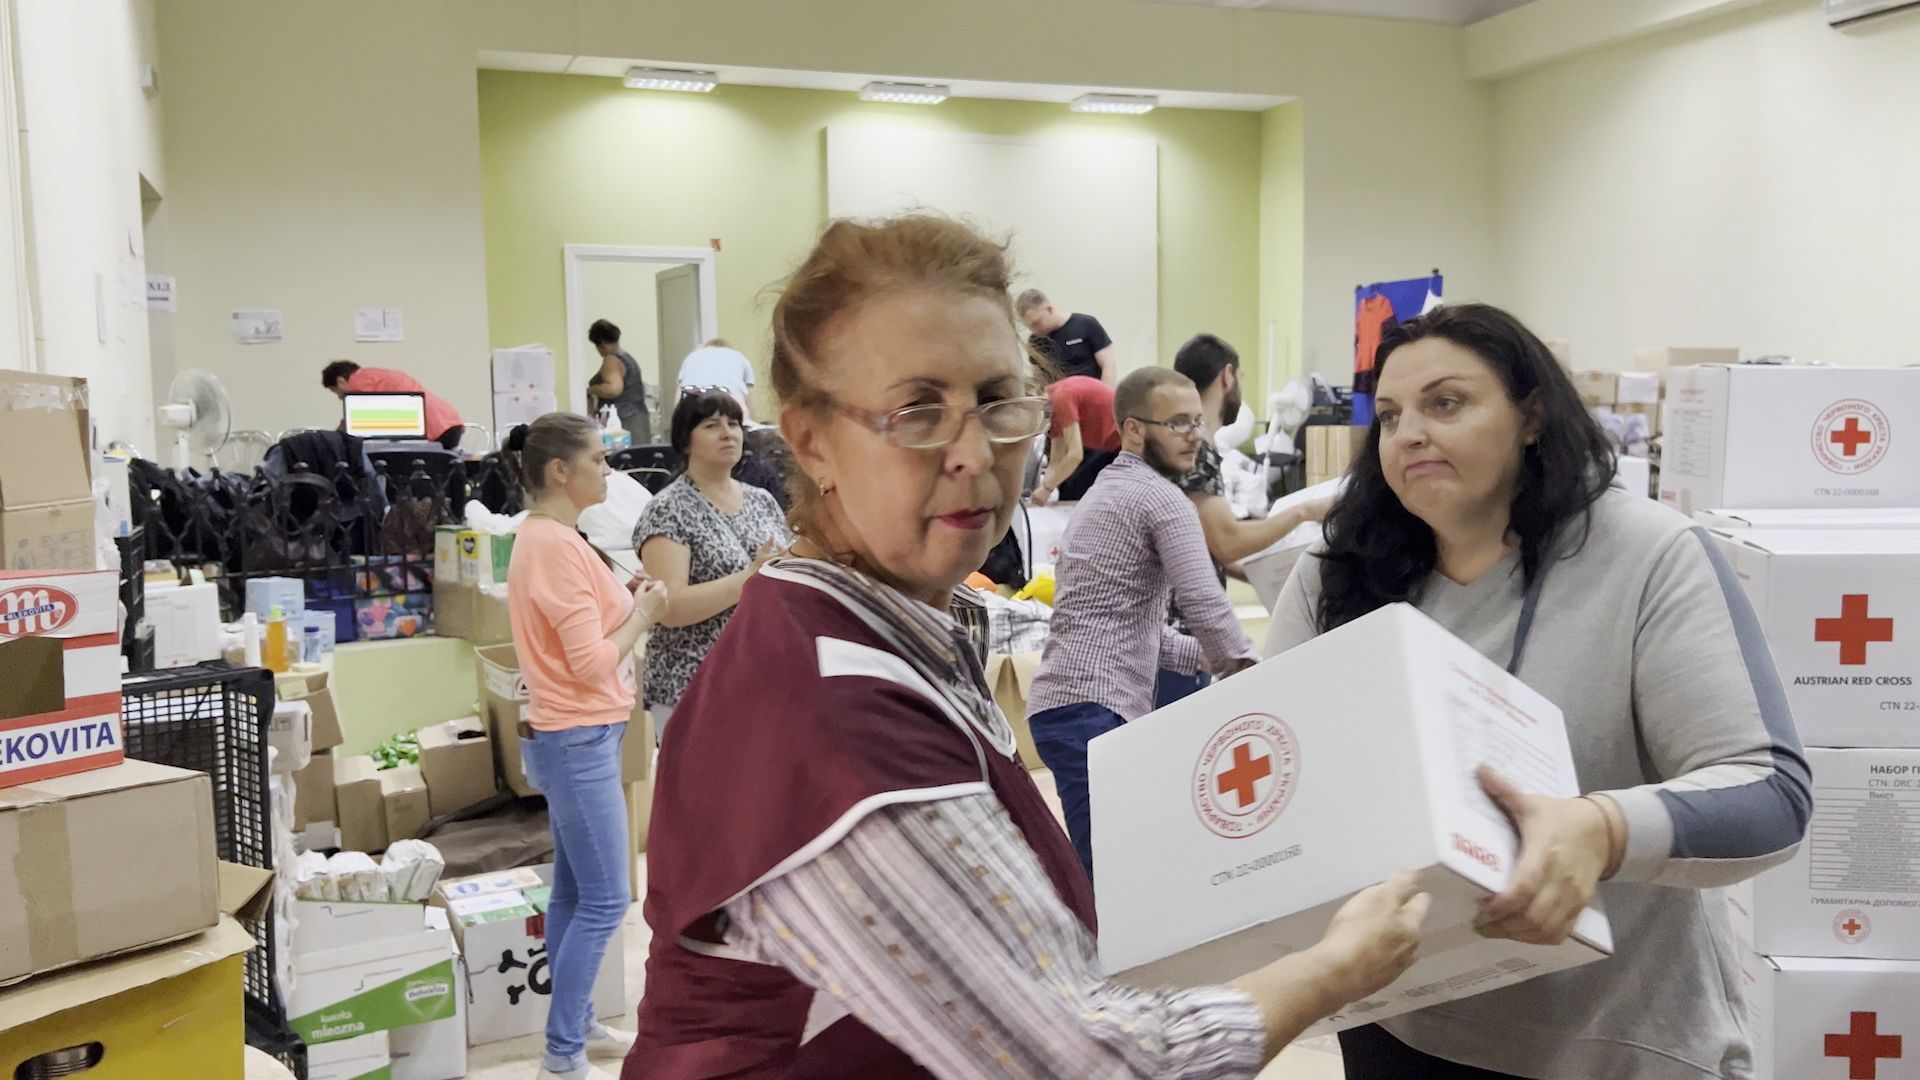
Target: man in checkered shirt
[{"x": 1133, "y": 541}]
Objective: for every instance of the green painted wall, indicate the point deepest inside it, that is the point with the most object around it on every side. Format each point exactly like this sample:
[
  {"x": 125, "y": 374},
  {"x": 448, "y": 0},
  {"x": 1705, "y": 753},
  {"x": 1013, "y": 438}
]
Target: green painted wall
[
  {"x": 567, "y": 159},
  {"x": 1282, "y": 239}
]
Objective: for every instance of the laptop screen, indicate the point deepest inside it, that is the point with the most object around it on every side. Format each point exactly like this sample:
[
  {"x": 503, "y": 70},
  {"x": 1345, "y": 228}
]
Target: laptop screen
[{"x": 386, "y": 416}]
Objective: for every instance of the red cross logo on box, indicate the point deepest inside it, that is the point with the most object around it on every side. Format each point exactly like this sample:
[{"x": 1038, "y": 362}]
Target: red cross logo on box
[
  {"x": 1851, "y": 436},
  {"x": 1864, "y": 1047},
  {"x": 1852, "y": 927},
  {"x": 1854, "y": 630},
  {"x": 1246, "y": 775}
]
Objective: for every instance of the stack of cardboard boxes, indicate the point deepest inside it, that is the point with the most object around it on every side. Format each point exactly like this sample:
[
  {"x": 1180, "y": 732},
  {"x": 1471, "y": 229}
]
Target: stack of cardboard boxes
[
  {"x": 1825, "y": 537},
  {"x": 377, "y": 986},
  {"x": 470, "y": 585},
  {"x": 522, "y": 386}
]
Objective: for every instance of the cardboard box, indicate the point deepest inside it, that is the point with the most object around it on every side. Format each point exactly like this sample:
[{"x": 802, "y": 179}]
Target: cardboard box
[
  {"x": 1664, "y": 358},
  {"x": 368, "y": 1057},
  {"x": 504, "y": 691},
  {"x": 363, "y": 811},
  {"x": 1790, "y": 437},
  {"x": 104, "y": 861},
  {"x": 474, "y": 613},
  {"x": 1011, "y": 679},
  {"x": 499, "y": 922},
  {"x": 322, "y": 925},
  {"x": 1635, "y": 474},
  {"x": 263, "y": 594},
  {"x": 313, "y": 792},
  {"x": 314, "y": 689},
  {"x": 436, "y": 1050},
  {"x": 456, "y": 758},
  {"x": 1833, "y": 605},
  {"x": 374, "y": 985},
  {"x": 1817, "y": 1018},
  {"x": 523, "y": 369},
  {"x": 290, "y": 733},
  {"x": 60, "y": 652},
  {"x": 1637, "y": 388},
  {"x": 1229, "y": 827},
  {"x": 46, "y": 475},
  {"x": 1853, "y": 888},
  {"x": 511, "y": 409},
  {"x": 152, "y": 1013},
  {"x": 1267, "y": 571},
  {"x": 484, "y": 557},
  {"x": 404, "y": 802},
  {"x": 1330, "y": 449},
  {"x": 1597, "y": 388},
  {"x": 446, "y": 556},
  {"x": 186, "y": 624},
  {"x": 1863, "y": 517}
]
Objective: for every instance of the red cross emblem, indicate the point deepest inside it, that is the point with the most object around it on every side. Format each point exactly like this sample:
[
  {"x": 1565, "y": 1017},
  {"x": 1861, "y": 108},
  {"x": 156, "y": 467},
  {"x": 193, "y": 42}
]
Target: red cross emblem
[
  {"x": 1864, "y": 1047},
  {"x": 1849, "y": 438},
  {"x": 1853, "y": 631},
  {"x": 1852, "y": 927},
  {"x": 1246, "y": 773}
]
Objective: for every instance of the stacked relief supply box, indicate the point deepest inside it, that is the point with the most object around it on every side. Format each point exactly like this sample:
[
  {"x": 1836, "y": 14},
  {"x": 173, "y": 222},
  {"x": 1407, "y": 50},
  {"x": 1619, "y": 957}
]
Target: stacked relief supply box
[
  {"x": 59, "y": 674},
  {"x": 1810, "y": 481},
  {"x": 523, "y": 386},
  {"x": 378, "y": 985},
  {"x": 46, "y": 473}
]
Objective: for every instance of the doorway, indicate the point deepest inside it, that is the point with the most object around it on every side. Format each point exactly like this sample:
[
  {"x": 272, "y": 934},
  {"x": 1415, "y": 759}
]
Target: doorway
[{"x": 663, "y": 301}]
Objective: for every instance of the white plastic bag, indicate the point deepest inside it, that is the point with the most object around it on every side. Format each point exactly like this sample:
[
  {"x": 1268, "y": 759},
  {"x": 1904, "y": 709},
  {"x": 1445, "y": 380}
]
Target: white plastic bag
[
  {"x": 359, "y": 877},
  {"x": 411, "y": 869}
]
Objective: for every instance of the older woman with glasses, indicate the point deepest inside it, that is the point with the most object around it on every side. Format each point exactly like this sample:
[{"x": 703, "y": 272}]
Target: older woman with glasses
[
  {"x": 849, "y": 871},
  {"x": 704, "y": 535}
]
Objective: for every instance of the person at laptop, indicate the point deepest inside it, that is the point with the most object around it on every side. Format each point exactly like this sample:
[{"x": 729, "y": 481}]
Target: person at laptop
[{"x": 344, "y": 377}]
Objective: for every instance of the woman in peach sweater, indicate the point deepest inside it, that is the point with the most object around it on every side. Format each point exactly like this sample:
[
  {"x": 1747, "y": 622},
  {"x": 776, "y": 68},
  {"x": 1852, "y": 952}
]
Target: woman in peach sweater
[{"x": 575, "y": 624}]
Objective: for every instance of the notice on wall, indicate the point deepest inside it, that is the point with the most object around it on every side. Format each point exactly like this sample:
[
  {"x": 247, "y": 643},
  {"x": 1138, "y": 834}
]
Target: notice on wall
[
  {"x": 256, "y": 326},
  {"x": 379, "y": 324},
  {"x": 160, "y": 293}
]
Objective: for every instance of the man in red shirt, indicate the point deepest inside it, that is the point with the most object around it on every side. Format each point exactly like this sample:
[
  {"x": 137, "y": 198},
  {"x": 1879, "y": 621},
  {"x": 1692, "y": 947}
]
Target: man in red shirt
[
  {"x": 345, "y": 377},
  {"x": 1084, "y": 437}
]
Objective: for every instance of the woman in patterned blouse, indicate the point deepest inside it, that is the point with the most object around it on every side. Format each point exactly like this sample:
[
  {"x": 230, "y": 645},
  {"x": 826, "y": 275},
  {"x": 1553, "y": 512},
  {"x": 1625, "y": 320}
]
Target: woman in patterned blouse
[{"x": 849, "y": 872}]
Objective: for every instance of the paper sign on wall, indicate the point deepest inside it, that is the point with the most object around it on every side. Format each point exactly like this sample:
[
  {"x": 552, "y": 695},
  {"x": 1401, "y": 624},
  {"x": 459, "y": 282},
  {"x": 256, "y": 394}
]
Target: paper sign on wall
[
  {"x": 256, "y": 326},
  {"x": 379, "y": 324},
  {"x": 160, "y": 292}
]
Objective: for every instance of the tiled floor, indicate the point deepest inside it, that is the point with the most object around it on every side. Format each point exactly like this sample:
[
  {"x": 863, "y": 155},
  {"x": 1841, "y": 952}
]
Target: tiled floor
[{"x": 518, "y": 1059}]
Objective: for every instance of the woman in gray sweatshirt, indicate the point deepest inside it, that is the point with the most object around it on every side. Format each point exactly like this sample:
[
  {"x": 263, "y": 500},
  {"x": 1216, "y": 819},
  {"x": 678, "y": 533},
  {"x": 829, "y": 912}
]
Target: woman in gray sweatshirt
[{"x": 1482, "y": 496}]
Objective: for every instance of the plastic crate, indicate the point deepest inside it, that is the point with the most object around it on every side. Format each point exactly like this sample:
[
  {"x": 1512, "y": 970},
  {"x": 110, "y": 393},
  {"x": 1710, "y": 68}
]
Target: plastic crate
[
  {"x": 213, "y": 718},
  {"x": 283, "y": 1046},
  {"x": 133, "y": 597}
]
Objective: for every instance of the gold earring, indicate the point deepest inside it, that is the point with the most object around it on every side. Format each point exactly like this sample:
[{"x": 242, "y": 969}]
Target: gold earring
[{"x": 826, "y": 486}]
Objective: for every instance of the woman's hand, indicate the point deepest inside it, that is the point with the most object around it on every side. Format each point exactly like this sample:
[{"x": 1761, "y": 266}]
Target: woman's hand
[
  {"x": 769, "y": 550},
  {"x": 1375, "y": 936},
  {"x": 649, "y": 599},
  {"x": 1565, "y": 847}
]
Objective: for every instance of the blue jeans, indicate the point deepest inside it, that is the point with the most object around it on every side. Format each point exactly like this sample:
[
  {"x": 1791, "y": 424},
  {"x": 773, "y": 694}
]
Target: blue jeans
[
  {"x": 578, "y": 770},
  {"x": 1171, "y": 686},
  {"x": 1061, "y": 735}
]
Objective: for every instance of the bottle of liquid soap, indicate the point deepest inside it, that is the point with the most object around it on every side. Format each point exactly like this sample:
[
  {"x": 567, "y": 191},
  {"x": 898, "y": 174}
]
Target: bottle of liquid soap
[{"x": 277, "y": 640}]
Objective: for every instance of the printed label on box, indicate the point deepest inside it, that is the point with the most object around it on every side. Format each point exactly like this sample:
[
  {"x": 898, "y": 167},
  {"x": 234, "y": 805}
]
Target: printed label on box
[{"x": 411, "y": 999}]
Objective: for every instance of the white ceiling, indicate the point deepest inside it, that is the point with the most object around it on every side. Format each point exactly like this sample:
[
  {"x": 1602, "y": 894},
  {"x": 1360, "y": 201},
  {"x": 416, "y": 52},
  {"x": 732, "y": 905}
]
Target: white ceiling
[
  {"x": 1455, "y": 12},
  {"x": 827, "y": 80}
]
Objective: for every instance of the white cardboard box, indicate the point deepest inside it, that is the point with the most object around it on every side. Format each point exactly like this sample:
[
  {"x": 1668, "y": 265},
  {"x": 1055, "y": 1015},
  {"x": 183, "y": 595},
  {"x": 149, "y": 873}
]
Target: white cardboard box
[
  {"x": 523, "y": 369},
  {"x": 186, "y": 624},
  {"x": 60, "y": 691},
  {"x": 350, "y": 1059},
  {"x": 1635, "y": 474},
  {"x": 1828, "y": 1019},
  {"x": 1228, "y": 828},
  {"x": 320, "y": 925},
  {"x": 1853, "y": 888},
  {"x": 372, "y": 985},
  {"x": 500, "y": 924},
  {"x": 1638, "y": 388},
  {"x": 436, "y": 1050},
  {"x": 1840, "y": 609},
  {"x": 1791, "y": 437},
  {"x": 1858, "y": 517},
  {"x": 511, "y": 409},
  {"x": 1267, "y": 571}
]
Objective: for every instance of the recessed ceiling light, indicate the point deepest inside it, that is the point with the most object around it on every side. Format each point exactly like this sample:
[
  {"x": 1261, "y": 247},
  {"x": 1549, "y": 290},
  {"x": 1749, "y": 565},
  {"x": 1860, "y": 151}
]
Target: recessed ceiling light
[
  {"x": 693, "y": 82},
  {"x": 901, "y": 93},
  {"x": 1116, "y": 103}
]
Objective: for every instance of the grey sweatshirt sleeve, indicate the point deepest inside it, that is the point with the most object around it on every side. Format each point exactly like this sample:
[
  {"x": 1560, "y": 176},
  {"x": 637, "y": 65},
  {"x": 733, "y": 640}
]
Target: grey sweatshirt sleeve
[
  {"x": 1293, "y": 614},
  {"x": 1713, "y": 720}
]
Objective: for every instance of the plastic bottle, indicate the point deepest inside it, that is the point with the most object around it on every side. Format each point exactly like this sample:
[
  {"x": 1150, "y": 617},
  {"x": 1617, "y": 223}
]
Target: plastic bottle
[
  {"x": 250, "y": 638},
  {"x": 310, "y": 645},
  {"x": 277, "y": 640}
]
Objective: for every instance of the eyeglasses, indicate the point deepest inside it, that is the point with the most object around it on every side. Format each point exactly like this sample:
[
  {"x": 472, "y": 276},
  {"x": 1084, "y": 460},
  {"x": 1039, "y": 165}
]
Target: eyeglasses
[
  {"x": 929, "y": 427},
  {"x": 1179, "y": 425}
]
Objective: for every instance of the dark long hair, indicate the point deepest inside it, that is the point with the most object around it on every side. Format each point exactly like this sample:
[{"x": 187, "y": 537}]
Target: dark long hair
[{"x": 1379, "y": 553}]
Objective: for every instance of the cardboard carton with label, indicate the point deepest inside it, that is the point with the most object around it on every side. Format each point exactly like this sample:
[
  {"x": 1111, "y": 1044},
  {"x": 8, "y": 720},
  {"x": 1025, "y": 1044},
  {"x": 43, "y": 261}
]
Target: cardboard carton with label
[
  {"x": 373, "y": 985},
  {"x": 504, "y": 690},
  {"x": 456, "y": 758},
  {"x": 1230, "y": 826},
  {"x": 1839, "y": 608},
  {"x": 1757, "y": 436},
  {"x": 59, "y": 674},
  {"x": 46, "y": 473},
  {"x": 1821, "y": 1017},
  {"x": 1854, "y": 517}
]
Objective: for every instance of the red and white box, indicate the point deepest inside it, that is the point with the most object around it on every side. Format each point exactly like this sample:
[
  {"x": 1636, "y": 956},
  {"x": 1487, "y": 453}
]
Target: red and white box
[
  {"x": 1853, "y": 888},
  {"x": 1815, "y": 1018},
  {"x": 60, "y": 652},
  {"x": 1229, "y": 826},
  {"x": 1805, "y": 437},
  {"x": 1841, "y": 611}
]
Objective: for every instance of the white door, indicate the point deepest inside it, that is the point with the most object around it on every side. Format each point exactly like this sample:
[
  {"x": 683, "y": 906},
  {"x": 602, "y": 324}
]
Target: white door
[{"x": 677, "y": 295}]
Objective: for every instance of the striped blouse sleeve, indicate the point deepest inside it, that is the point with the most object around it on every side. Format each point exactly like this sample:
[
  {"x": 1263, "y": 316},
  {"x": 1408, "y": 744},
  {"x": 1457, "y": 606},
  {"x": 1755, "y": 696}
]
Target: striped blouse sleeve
[{"x": 935, "y": 925}]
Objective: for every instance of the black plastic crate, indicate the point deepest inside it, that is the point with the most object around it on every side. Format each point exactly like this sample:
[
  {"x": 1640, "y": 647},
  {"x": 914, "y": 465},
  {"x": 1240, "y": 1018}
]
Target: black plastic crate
[
  {"x": 283, "y": 1046},
  {"x": 214, "y": 718},
  {"x": 133, "y": 597}
]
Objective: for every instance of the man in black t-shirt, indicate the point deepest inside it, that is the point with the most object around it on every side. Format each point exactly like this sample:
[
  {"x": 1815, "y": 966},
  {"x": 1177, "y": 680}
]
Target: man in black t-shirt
[{"x": 1077, "y": 344}]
